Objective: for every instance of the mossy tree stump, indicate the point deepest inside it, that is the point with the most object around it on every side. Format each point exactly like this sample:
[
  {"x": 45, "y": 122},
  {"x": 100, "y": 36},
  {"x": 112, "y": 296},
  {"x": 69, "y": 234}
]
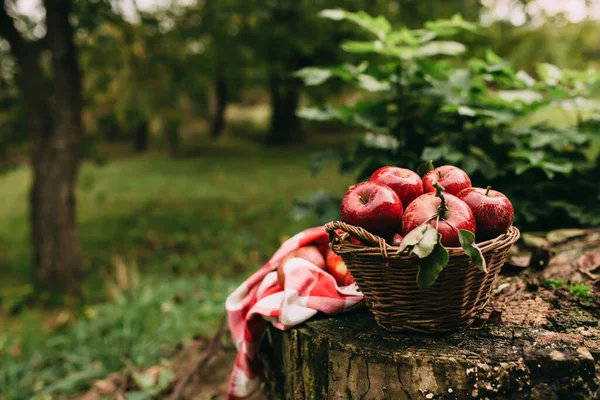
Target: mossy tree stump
[{"x": 545, "y": 344}]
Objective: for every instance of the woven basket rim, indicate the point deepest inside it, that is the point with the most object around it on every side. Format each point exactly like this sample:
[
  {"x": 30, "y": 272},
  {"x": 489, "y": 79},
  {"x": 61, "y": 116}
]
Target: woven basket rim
[{"x": 391, "y": 252}]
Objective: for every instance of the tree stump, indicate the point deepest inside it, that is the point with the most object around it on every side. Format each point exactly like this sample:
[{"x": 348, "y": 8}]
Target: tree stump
[{"x": 539, "y": 339}]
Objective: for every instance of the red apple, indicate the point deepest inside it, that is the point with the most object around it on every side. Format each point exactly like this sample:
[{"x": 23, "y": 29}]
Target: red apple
[
  {"x": 494, "y": 213},
  {"x": 406, "y": 183},
  {"x": 338, "y": 269},
  {"x": 374, "y": 207},
  {"x": 308, "y": 253},
  {"x": 397, "y": 239},
  {"x": 457, "y": 216},
  {"x": 453, "y": 179}
]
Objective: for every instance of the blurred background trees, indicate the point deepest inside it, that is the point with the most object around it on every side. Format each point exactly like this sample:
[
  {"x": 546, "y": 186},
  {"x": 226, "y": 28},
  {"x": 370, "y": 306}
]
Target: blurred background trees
[
  {"x": 186, "y": 133},
  {"x": 163, "y": 76}
]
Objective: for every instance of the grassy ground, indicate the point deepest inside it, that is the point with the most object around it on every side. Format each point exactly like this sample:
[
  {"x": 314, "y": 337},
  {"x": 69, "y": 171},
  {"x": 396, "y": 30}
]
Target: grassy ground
[{"x": 164, "y": 241}]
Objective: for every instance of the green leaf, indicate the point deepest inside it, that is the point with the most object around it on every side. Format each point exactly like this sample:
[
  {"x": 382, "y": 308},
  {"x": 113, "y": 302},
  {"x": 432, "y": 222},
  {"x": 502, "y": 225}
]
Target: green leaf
[
  {"x": 551, "y": 74},
  {"x": 313, "y": 76},
  {"x": 371, "y": 84},
  {"x": 525, "y": 96},
  {"x": 422, "y": 240},
  {"x": 379, "y": 25},
  {"x": 564, "y": 168},
  {"x": 466, "y": 111},
  {"x": 448, "y": 27},
  {"x": 436, "y": 48},
  {"x": 431, "y": 266},
  {"x": 427, "y": 242},
  {"x": 425, "y": 168},
  {"x": 525, "y": 78},
  {"x": 492, "y": 58},
  {"x": 333, "y": 14},
  {"x": 432, "y": 153},
  {"x": 412, "y": 238},
  {"x": 318, "y": 114},
  {"x": 354, "y": 46},
  {"x": 467, "y": 241},
  {"x": 404, "y": 36}
]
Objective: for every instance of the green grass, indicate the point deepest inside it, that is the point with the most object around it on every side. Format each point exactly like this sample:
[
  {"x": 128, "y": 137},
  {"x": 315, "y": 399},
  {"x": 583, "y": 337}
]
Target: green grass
[
  {"x": 140, "y": 327},
  {"x": 190, "y": 228},
  {"x": 221, "y": 212}
]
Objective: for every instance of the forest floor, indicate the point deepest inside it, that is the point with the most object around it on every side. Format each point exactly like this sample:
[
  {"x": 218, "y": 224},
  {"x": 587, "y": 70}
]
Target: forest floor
[{"x": 164, "y": 242}]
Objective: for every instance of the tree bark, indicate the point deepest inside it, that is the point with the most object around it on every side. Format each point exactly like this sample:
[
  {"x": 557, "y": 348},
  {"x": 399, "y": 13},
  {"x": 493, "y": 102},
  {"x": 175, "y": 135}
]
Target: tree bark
[
  {"x": 172, "y": 136},
  {"x": 55, "y": 127},
  {"x": 284, "y": 125},
  {"x": 140, "y": 137},
  {"x": 545, "y": 346},
  {"x": 221, "y": 102}
]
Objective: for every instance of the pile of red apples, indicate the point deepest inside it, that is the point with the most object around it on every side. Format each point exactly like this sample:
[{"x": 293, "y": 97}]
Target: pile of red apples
[{"x": 397, "y": 200}]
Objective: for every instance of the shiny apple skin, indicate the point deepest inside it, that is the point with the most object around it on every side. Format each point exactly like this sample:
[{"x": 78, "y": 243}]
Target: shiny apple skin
[
  {"x": 453, "y": 179},
  {"x": 406, "y": 183},
  {"x": 338, "y": 269},
  {"x": 379, "y": 212},
  {"x": 424, "y": 207},
  {"x": 494, "y": 213},
  {"x": 397, "y": 239}
]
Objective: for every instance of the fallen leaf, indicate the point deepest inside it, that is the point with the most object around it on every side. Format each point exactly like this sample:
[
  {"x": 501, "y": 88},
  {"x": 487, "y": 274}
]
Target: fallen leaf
[
  {"x": 105, "y": 387},
  {"x": 589, "y": 261},
  {"x": 521, "y": 260},
  {"x": 563, "y": 235},
  {"x": 533, "y": 241}
]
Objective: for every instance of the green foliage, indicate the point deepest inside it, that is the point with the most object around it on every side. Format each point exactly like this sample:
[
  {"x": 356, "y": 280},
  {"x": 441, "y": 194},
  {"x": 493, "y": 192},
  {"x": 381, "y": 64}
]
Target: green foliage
[
  {"x": 580, "y": 290},
  {"x": 422, "y": 102},
  {"x": 554, "y": 283},
  {"x": 431, "y": 266},
  {"x": 467, "y": 241}
]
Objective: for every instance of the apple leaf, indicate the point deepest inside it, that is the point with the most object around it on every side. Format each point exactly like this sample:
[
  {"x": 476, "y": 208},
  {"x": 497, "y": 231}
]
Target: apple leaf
[
  {"x": 412, "y": 238},
  {"x": 431, "y": 266},
  {"x": 425, "y": 168},
  {"x": 422, "y": 239},
  {"x": 427, "y": 242},
  {"x": 467, "y": 241}
]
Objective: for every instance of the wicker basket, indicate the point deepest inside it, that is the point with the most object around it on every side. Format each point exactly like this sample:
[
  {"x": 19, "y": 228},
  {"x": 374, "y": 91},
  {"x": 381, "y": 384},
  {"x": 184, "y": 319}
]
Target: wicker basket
[{"x": 388, "y": 281}]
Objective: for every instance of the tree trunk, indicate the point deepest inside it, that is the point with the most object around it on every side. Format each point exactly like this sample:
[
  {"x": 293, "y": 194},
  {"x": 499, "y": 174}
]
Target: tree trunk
[
  {"x": 221, "y": 102},
  {"x": 54, "y": 120},
  {"x": 140, "y": 138},
  {"x": 56, "y": 163},
  {"x": 285, "y": 125},
  {"x": 543, "y": 343},
  {"x": 172, "y": 136}
]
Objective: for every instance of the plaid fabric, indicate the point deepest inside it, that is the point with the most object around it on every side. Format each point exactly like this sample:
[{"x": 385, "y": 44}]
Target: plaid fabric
[{"x": 261, "y": 300}]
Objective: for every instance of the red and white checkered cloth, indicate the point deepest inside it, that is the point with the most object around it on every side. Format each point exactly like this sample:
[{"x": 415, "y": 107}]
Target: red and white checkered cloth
[{"x": 259, "y": 300}]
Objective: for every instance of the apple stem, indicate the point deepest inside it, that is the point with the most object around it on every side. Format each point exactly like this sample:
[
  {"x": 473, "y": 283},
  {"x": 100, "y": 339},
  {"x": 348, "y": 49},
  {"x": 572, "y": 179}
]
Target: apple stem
[
  {"x": 437, "y": 223},
  {"x": 361, "y": 199},
  {"x": 438, "y": 193},
  {"x": 451, "y": 226},
  {"x": 487, "y": 190}
]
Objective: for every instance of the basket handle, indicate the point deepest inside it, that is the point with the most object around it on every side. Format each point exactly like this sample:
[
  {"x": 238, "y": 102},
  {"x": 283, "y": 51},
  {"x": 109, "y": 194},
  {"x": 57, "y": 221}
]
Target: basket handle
[{"x": 355, "y": 231}]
